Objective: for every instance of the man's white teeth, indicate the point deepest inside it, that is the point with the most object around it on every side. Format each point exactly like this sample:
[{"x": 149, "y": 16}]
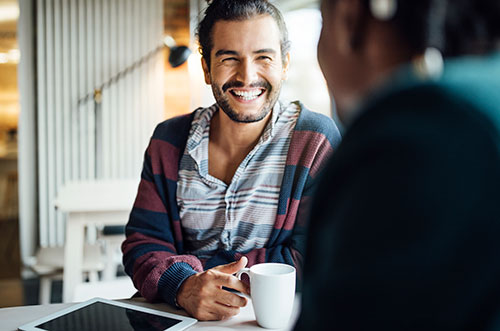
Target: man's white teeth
[{"x": 247, "y": 95}]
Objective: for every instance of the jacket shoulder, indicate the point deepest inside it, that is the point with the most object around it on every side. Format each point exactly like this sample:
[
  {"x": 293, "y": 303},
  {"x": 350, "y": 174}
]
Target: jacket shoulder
[
  {"x": 174, "y": 130},
  {"x": 318, "y": 123}
]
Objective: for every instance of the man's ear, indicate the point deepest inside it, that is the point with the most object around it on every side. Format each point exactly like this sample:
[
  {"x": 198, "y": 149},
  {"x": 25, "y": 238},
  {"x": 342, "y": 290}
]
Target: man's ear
[
  {"x": 353, "y": 22},
  {"x": 286, "y": 66},
  {"x": 206, "y": 71}
]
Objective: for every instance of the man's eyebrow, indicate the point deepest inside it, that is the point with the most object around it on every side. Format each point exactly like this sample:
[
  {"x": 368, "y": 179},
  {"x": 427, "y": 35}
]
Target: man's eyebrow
[
  {"x": 265, "y": 50},
  {"x": 225, "y": 52},
  {"x": 222, "y": 52}
]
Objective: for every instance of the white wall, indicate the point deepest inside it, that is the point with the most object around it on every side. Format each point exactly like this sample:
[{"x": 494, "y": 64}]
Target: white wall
[
  {"x": 305, "y": 79},
  {"x": 27, "y": 156}
]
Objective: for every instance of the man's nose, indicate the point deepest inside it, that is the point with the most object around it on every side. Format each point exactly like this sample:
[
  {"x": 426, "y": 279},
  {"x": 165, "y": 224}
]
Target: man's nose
[{"x": 247, "y": 72}]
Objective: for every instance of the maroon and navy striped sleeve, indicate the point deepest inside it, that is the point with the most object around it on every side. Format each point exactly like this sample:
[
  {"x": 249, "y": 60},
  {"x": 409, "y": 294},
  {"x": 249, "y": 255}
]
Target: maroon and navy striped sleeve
[{"x": 152, "y": 252}]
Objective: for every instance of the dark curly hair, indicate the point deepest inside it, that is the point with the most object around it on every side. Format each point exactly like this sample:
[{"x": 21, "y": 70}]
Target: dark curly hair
[
  {"x": 455, "y": 27},
  {"x": 472, "y": 26},
  {"x": 237, "y": 10}
]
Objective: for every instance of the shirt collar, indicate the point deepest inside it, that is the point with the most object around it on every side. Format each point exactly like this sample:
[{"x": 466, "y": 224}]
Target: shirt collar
[
  {"x": 198, "y": 140},
  {"x": 270, "y": 129},
  {"x": 201, "y": 125}
]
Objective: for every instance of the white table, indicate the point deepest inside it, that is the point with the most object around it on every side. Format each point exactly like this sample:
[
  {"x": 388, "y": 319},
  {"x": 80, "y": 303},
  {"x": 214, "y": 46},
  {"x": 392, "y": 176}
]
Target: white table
[
  {"x": 86, "y": 204},
  {"x": 12, "y": 318}
]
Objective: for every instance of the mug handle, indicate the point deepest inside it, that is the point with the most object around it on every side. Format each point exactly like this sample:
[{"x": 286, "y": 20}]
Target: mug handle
[
  {"x": 238, "y": 275},
  {"x": 243, "y": 271}
]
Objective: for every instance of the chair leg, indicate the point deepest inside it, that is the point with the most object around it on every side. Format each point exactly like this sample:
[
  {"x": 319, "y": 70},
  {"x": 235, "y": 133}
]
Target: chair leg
[
  {"x": 93, "y": 276},
  {"x": 109, "y": 272},
  {"x": 44, "y": 293}
]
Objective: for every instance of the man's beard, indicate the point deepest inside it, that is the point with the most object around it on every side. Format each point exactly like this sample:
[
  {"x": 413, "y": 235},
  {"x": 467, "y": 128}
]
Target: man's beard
[{"x": 223, "y": 101}]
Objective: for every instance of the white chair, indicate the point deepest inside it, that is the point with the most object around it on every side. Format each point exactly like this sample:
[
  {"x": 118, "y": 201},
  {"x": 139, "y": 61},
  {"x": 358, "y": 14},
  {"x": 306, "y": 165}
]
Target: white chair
[
  {"x": 111, "y": 238},
  {"x": 48, "y": 265},
  {"x": 91, "y": 205}
]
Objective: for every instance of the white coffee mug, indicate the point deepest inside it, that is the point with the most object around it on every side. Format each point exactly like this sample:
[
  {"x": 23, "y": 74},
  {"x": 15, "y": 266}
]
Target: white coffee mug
[{"x": 272, "y": 288}]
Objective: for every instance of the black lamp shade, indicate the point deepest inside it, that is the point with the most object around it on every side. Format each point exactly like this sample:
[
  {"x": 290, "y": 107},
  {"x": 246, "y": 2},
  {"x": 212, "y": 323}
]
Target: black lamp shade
[{"x": 178, "y": 55}]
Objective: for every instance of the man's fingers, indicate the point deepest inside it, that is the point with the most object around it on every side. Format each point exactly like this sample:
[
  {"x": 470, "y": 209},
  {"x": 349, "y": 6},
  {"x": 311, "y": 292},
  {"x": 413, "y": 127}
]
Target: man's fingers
[
  {"x": 209, "y": 316},
  {"x": 202, "y": 295},
  {"x": 224, "y": 312},
  {"x": 229, "y": 281},
  {"x": 230, "y": 299},
  {"x": 234, "y": 267},
  {"x": 236, "y": 284}
]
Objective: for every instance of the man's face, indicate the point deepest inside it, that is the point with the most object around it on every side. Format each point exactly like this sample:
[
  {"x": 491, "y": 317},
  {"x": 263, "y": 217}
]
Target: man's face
[
  {"x": 326, "y": 42},
  {"x": 342, "y": 70},
  {"x": 328, "y": 51},
  {"x": 246, "y": 70}
]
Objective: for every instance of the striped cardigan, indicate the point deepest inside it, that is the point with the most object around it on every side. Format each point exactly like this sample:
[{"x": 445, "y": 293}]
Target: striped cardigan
[{"x": 153, "y": 252}]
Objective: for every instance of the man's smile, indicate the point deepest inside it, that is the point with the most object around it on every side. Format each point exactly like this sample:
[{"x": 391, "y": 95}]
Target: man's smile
[{"x": 248, "y": 94}]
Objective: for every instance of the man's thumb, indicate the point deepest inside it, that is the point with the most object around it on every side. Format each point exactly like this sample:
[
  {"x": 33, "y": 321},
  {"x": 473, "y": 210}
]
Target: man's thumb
[{"x": 233, "y": 267}]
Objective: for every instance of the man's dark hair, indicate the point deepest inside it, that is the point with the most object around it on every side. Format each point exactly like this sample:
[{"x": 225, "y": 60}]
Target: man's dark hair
[
  {"x": 455, "y": 27},
  {"x": 237, "y": 10},
  {"x": 472, "y": 26}
]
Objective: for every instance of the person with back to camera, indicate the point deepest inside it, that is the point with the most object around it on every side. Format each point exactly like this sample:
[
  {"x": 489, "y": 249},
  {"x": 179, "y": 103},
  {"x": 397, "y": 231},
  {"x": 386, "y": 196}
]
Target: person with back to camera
[
  {"x": 229, "y": 184},
  {"x": 405, "y": 224}
]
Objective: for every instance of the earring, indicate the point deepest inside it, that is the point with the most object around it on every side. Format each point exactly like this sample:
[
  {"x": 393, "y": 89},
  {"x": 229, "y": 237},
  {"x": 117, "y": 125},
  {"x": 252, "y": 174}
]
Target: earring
[
  {"x": 383, "y": 10},
  {"x": 430, "y": 65}
]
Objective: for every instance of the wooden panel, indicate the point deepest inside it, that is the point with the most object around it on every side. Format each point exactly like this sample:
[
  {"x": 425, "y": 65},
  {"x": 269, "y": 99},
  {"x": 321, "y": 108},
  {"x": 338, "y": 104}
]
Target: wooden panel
[
  {"x": 177, "y": 81},
  {"x": 10, "y": 265},
  {"x": 12, "y": 293}
]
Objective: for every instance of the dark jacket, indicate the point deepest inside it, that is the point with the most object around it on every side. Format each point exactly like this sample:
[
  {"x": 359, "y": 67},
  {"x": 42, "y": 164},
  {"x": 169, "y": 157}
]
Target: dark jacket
[{"x": 405, "y": 228}]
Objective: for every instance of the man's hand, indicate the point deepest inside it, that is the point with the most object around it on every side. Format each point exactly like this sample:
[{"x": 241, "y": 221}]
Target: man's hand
[{"x": 202, "y": 296}]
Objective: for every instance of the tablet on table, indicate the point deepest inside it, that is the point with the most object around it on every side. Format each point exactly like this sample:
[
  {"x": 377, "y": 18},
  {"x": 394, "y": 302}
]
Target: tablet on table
[{"x": 105, "y": 315}]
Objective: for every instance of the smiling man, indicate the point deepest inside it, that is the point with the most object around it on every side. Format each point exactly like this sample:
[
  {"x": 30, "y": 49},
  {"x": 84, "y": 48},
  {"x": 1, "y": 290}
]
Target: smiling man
[{"x": 228, "y": 185}]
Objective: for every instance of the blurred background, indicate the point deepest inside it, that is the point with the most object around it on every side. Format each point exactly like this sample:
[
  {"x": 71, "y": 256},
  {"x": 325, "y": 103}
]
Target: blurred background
[{"x": 82, "y": 85}]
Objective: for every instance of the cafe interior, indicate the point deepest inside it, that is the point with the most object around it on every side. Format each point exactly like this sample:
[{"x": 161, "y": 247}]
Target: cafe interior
[{"x": 83, "y": 84}]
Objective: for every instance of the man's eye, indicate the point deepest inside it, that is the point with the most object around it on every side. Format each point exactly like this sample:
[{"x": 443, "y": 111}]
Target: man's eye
[
  {"x": 230, "y": 59},
  {"x": 265, "y": 58}
]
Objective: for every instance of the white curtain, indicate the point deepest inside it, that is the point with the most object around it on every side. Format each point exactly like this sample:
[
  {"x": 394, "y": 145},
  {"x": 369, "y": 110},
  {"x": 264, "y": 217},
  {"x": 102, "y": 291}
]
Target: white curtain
[{"x": 80, "y": 45}]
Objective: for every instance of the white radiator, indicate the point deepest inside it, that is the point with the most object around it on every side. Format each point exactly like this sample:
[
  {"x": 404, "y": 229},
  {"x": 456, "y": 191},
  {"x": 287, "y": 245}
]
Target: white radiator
[{"x": 80, "y": 45}]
